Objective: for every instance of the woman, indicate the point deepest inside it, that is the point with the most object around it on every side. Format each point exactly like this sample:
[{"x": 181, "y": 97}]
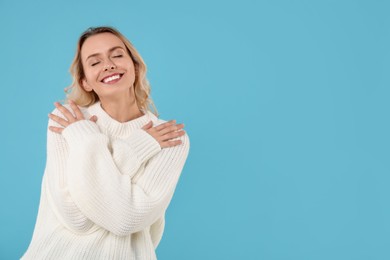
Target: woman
[{"x": 112, "y": 165}]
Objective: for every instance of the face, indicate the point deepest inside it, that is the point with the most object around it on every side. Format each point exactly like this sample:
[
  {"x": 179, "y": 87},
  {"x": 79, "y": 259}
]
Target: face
[{"x": 109, "y": 69}]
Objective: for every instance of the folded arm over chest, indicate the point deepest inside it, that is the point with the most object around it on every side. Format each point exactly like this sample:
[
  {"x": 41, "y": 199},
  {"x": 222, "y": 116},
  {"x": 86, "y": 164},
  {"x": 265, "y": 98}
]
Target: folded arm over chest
[{"x": 99, "y": 187}]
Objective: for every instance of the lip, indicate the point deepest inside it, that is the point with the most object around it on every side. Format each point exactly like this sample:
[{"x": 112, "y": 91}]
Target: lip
[{"x": 114, "y": 74}]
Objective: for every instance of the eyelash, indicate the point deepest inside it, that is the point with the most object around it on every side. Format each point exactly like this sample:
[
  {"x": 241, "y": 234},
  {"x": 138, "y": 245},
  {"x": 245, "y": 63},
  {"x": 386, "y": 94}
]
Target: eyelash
[{"x": 117, "y": 56}]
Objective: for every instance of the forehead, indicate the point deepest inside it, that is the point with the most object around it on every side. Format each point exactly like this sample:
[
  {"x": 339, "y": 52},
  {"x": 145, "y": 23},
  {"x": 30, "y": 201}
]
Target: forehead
[{"x": 100, "y": 43}]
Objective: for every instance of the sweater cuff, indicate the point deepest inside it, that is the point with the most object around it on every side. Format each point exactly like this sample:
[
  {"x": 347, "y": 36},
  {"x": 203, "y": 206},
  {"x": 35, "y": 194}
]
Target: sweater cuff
[
  {"x": 143, "y": 144},
  {"x": 78, "y": 131}
]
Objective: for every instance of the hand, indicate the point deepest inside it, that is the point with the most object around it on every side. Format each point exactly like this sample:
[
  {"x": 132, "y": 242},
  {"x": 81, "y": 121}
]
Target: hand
[
  {"x": 165, "y": 132},
  {"x": 71, "y": 119}
]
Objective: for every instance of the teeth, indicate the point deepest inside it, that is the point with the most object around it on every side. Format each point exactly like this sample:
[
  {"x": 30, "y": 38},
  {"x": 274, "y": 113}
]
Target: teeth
[{"x": 106, "y": 80}]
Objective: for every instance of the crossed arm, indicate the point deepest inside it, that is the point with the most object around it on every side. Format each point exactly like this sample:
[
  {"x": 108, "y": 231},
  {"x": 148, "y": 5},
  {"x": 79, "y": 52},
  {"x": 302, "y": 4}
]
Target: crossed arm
[{"x": 90, "y": 179}]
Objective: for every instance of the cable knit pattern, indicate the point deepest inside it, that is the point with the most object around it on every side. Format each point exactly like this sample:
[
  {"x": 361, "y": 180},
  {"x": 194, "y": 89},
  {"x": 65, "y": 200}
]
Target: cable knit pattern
[{"x": 105, "y": 189}]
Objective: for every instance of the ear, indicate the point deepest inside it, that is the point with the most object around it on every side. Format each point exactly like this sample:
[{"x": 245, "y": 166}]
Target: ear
[{"x": 86, "y": 86}]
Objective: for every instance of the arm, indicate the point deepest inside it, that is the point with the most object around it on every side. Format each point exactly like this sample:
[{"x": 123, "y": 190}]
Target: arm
[
  {"x": 56, "y": 183},
  {"x": 93, "y": 191},
  {"x": 111, "y": 198}
]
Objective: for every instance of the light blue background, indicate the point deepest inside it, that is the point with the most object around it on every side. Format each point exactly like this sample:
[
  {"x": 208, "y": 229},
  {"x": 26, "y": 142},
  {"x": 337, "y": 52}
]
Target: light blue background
[{"x": 286, "y": 104}]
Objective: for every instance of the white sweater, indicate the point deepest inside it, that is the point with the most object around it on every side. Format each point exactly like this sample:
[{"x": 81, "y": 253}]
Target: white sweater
[{"x": 105, "y": 189}]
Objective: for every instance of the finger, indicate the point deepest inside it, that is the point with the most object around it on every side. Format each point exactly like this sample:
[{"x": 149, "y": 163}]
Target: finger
[
  {"x": 55, "y": 129},
  {"x": 171, "y": 128},
  {"x": 148, "y": 125},
  {"x": 76, "y": 110},
  {"x": 59, "y": 120},
  {"x": 170, "y": 143},
  {"x": 65, "y": 111},
  {"x": 172, "y": 135},
  {"x": 93, "y": 119},
  {"x": 166, "y": 124}
]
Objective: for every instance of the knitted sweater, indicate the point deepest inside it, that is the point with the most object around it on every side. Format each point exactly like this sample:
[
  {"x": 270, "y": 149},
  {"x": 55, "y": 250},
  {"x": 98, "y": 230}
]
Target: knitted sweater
[{"x": 105, "y": 189}]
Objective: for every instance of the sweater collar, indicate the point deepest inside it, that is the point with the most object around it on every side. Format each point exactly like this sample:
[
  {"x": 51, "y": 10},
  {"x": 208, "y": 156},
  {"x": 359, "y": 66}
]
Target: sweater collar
[{"x": 115, "y": 128}]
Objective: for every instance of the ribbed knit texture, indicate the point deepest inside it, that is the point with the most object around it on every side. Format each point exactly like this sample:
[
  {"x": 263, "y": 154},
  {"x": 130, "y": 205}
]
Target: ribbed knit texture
[{"x": 105, "y": 189}]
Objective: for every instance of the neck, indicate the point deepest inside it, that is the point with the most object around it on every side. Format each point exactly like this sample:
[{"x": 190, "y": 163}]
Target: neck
[{"x": 122, "y": 109}]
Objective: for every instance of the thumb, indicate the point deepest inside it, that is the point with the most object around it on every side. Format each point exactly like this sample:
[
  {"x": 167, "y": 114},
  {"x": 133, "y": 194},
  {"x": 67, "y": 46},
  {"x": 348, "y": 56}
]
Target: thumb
[
  {"x": 93, "y": 119},
  {"x": 148, "y": 125}
]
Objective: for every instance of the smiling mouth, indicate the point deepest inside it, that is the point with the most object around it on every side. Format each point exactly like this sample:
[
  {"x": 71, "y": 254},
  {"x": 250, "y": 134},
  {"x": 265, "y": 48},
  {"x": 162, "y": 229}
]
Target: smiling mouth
[{"x": 113, "y": 79}]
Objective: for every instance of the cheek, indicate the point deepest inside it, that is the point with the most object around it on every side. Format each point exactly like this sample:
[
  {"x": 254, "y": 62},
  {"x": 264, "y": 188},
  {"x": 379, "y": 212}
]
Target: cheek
[
  {"x": 131, "y": 68},
  {"x": 128, "y": 64},
  {"x": 91, "y": 74}
]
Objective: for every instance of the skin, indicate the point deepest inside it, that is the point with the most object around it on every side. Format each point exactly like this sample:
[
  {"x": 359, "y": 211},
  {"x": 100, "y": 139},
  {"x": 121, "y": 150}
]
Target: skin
[{"x": 118, "y": 99}]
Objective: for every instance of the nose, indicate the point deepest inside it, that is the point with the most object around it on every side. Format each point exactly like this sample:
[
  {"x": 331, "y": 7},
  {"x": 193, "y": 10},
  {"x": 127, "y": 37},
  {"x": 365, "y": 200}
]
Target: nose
[{"x": 108, "y": 66}]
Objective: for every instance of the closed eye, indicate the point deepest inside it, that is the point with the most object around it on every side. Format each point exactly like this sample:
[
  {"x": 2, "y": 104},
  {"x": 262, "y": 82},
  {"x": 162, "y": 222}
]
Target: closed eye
[{"x": 117, "y": 56}]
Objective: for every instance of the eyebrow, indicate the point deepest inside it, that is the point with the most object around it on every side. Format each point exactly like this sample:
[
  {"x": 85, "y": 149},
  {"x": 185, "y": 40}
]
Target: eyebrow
[{"x": 110, "y": 50}]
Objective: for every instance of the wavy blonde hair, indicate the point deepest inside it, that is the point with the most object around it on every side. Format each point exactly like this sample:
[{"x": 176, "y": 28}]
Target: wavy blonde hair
[{"x": 81, "y": 97}]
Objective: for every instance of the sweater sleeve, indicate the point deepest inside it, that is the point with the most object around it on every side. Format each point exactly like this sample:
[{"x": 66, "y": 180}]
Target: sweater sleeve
[
  {"x": 56, "y": 179},
  {"x": 55, "y": 183},
  {"x": 118, "y": 201}
]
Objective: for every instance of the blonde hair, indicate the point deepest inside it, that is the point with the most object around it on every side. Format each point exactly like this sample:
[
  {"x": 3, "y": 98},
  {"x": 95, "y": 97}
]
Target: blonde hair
[{"x": 81, "y": 97}]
